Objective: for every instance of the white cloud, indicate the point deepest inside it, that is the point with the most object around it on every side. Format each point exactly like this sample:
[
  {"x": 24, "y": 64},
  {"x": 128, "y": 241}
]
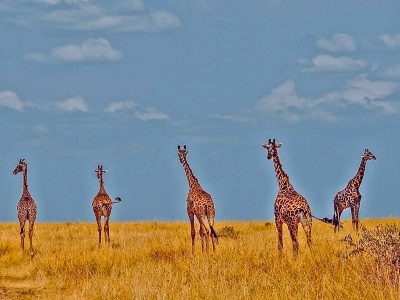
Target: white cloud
[
  {"x": 364, "y": 92},
  {"x": 92, "y": 49},
  {"x": 281, "y": 98},
  {"x": 359, "y": 91},
  {"x": 232, "y": 118},
  {"x": 121, "y": 15},
  {"x": 73, "y": 104},
  {"x": 144, "y": 114},
  {"x": 11, "y": 100},
  {"x": 339, "y": 42},
  {"x": 150, "y": 113},
  {"x": 56, "y": 2},
  {"x": 325, "y": 62},
  {"x": 152, "y": 22},
  {"x": 116, "y": 106},
  {"x": 368, "y": 93},
  {"x": 391, "y": 41}
]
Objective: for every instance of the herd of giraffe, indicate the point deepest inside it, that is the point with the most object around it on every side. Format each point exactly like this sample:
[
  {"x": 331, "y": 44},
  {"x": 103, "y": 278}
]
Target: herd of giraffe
[{"x": 290, "y": 207}]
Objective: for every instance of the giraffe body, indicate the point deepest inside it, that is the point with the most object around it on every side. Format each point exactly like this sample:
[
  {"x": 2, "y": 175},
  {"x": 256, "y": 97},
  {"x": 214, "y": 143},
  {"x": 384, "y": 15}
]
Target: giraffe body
[
  {"x": 26, "y": 207},
  {"x": 199, "y": 204},
  {"x": 351, "y": 196},
  {"x": 102, "y": 206},
  {"x": 290, "y": 207}
]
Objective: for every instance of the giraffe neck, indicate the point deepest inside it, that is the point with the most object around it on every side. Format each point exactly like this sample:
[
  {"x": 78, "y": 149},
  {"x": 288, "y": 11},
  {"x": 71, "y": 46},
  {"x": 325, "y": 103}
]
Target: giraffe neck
[
  {"x": 192, "y": 180},
  {"x": 25, "y": 190},
  {"x": 102, "y": 188},
  {"x": 355, "y": 182},
  {"x": 281, "y": 176}
]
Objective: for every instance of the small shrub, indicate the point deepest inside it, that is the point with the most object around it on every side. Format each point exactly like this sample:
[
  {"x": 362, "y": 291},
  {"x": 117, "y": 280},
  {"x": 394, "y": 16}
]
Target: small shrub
[
  {"x": 383, "y": 245},
  {"x": 269, "y": 224},
  {"x": 228, "y": 232}
]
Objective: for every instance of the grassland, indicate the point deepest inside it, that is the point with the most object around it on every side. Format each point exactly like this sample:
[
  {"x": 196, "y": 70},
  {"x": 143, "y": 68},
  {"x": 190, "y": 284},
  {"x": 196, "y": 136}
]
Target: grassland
[{"x": 153, "y": 260}]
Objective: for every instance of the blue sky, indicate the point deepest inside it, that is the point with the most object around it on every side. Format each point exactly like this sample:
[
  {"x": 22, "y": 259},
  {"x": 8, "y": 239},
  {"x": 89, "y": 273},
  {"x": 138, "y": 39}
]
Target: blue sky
[{"x": 84, "y": 83}]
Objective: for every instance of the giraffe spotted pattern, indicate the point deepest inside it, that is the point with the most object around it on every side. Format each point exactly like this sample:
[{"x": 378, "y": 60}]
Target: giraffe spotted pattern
[
  {"x": 26, "y": 208},
  {"x": 290, "y": 207},
  {"x": 200, "y": 204},
  {"x": 350, "y": 196},
  {"x": 102, "y": 206}
]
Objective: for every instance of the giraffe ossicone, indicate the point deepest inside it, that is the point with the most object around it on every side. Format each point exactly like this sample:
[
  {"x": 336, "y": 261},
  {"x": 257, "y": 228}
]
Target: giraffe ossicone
[{"x": 199, "y": 204}]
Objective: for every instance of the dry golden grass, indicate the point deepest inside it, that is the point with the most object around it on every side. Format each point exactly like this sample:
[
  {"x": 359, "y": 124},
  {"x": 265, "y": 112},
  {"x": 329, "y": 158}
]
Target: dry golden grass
[{"x": 152, "y": 260}]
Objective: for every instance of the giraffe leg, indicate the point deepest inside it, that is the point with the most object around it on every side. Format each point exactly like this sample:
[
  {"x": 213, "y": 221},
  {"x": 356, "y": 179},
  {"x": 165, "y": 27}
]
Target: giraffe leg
[
  {"x": 336, "y": 218},
  {"x": 213, "y": 234},
  {"x": 207, "y": 237},
  {"x": 106, "y": 230},
  {"x": 31, "y": 225},
  {"x": 306, "y": 222},
  {"x": 293, "y": 230},
  {"x": 98, "y": 220},
  {"x": 22, "y": 233},
  {"x": 354, "y": 216},
  {"x": 357, "y": 212},
  {"x": 192, "y": 230},
  {"x": 279, "y": 224},
  {"x": 203, "y": 235}
]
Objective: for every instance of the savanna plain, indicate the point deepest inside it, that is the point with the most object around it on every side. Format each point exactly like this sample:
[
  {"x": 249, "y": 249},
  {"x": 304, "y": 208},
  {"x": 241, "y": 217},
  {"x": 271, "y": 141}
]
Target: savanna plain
[{"x": 153, "y": 260}]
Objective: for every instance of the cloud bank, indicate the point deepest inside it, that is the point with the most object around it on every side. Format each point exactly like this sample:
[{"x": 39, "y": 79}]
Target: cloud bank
[
  {"x": 85, "y": 15},
  {"x": 359, "y": 91}
]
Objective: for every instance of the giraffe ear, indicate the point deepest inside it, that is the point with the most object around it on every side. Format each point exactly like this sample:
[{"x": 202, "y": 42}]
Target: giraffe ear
[{"x": 278, "y": 145}]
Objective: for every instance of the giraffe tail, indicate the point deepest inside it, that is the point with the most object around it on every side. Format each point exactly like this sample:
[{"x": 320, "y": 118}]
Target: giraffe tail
[
  {"x": 214, "y": 233},
  {"x": 117, "y": 200},
  {"x": 328, "y": 221}
]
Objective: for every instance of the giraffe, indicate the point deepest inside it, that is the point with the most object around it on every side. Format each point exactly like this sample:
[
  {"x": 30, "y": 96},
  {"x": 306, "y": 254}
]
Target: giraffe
[
  {"x": 200, "y": 204},
  {"x": 350, "y": 196},
  {"x": 26, "y": 207},
  {"x": 102, "y": 206},
  {"x": 290, "y": 207}
]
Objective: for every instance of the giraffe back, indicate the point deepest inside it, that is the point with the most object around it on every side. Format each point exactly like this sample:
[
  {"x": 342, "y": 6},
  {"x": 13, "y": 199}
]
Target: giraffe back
[
  {"x": 289, "y": 204},
  {"x": 102, "y": 204}
]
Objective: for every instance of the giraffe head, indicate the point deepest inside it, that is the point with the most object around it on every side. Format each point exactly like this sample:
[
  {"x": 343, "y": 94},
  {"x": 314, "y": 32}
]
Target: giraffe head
[
  {"x": 100, "y": 172},
  {"x": 271, "y": 147},
  {"x": 182, "y": 152},
  {"x": 367, "y": 155},
  {"x": 21, "y": 166}
]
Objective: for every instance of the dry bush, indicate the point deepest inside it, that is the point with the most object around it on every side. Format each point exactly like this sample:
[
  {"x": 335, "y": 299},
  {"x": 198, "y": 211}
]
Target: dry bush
[
  {"x": 382, "y": 244},
  {"x": 228, "y": 232}
]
